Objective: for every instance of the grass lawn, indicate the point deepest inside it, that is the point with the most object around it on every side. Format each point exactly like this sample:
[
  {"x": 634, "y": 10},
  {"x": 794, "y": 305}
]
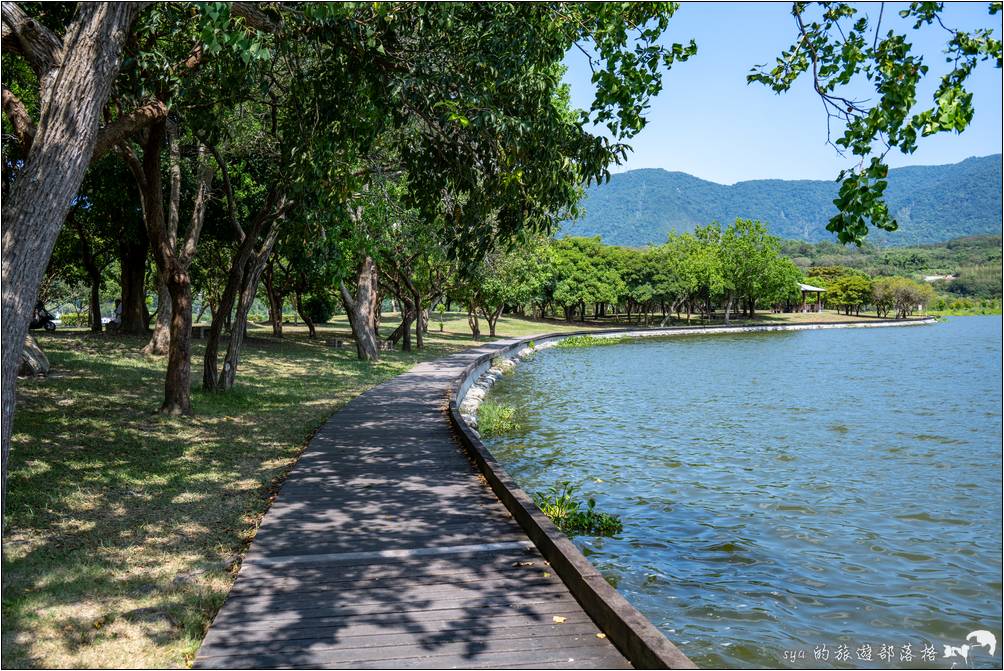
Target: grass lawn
[{"x": 122, "y": 527}]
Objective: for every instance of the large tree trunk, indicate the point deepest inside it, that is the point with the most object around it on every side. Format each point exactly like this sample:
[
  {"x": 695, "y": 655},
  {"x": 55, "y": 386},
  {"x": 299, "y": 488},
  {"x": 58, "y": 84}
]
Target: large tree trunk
[
  {"x": 728, "y": 308},
  {"x": 159, "y": 344},
  {"x": 177, "y": 392},
  {"x": 75, "y": 83},
  {"x": 173, "y": 259},
  {"x": 132, "y": 260},
  {"x": 361, "y": 309}
]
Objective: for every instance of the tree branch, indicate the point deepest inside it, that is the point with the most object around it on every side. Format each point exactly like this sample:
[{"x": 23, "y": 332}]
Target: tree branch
[
  {"x": 26, "y": 36},
  {"x": 254, "y": 17},
  {"x": 124, "y": 126},
  {"x": 19, "y": 118},
  {"x": 205, "y": 182},
  {"x": 227, "y": 189}
]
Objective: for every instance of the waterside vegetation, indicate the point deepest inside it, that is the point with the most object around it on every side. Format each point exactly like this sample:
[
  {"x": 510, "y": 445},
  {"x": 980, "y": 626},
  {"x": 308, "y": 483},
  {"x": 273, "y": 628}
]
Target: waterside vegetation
[{"x": 572, "y": 516}]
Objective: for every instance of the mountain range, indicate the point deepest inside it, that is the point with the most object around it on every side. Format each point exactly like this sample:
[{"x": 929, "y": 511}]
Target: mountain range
[{"x": 931, "y": 203}]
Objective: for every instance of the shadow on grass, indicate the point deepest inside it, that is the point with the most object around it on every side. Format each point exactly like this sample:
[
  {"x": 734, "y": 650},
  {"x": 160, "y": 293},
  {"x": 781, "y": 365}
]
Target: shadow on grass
[{"x": 121, "y": 526}]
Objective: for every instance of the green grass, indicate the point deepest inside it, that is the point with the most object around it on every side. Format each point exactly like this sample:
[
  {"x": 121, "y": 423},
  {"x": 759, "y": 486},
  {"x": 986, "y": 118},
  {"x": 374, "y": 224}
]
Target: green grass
[
  {"x": 966, "y": 312},
  {"x": 121, "y": 526},
  {"x": 497, "y": 419}
]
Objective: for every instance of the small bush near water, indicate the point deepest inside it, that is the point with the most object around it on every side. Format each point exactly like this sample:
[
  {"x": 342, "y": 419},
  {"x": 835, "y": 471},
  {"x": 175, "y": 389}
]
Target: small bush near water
[
  {"x": 560, "y": 506},
  {"x": 496, "y": 419}
]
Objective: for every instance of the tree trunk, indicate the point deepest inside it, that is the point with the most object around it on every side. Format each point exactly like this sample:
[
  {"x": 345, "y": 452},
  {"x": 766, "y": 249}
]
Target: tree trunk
[
  {"x": 728, "y": 308},
  {"x": 274, "y": 301},
  {"x": 221, "y": 315},
  {"x": 173, "y": 259},
  {"x": 249, "y": 287},
  {"x": 132, "y": 261},
  {"x": 406, "y": 319},
  {"x": 95, "y": 304},
  {"x": 34, "y": 209},
  {"x": 361, "y": 309},
  {"x": 298, "y": 304},
  {"x": 472, "y": 321},
  {"x": 416, "y": 307},
  {"x": 492, "y": 317},
  {"x": 160, "y": 339},
  {"x": 92, "y": 270},
  {"x": 177, "y": 392}
]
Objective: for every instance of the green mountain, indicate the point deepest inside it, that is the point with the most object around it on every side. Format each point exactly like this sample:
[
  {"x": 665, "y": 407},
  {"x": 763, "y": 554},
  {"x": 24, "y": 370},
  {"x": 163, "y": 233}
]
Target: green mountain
[{"x": 931, "y": 203}]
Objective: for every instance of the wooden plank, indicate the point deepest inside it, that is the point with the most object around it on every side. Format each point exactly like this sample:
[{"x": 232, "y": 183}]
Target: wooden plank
[
  {"x": 388, "y": 642},
  {"x": 258, "y": 576},
  {"x": 450, "y": 653},
  {"x": 389, "y": 553},
  {"x": 469, "y": 594},
  {"x": 239, "y": 613},
  {"x": 430, "y": 620},
  {"x": 459, "y": 621},
  {"x": 493, "y": 580},
  {"x": 425, "y": 584}
]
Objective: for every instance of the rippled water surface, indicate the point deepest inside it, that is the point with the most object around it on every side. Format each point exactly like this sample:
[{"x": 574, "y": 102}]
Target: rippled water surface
[{"x": 785, "y": 491}]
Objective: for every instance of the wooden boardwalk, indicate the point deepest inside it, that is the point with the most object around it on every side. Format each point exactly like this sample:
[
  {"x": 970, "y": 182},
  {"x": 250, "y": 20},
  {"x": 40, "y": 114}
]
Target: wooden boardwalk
[{"x": 385, "y": 549}]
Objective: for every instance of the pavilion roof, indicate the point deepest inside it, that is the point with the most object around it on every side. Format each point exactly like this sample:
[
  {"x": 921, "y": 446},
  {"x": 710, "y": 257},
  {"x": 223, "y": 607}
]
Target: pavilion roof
[{"x": 809, "y": 287}]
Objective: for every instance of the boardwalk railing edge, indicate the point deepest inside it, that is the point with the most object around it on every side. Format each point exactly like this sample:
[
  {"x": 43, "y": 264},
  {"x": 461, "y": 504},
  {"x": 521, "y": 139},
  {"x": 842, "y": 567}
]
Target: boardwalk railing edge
[{"x": 631, "y": 632}]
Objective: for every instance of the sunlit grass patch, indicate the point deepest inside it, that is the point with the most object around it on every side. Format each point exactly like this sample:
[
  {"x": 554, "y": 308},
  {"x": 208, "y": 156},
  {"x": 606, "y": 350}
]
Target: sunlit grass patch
[{"x": 121, "y": 525}]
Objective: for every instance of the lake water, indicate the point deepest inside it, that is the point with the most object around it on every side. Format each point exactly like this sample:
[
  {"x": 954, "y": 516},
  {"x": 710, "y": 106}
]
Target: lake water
[{"x": 785, "y": 491}]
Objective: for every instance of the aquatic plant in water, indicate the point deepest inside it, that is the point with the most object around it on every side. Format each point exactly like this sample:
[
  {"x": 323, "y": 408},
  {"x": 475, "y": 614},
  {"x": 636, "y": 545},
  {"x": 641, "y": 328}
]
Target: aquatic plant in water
[
  {"x": 497, "y": 419},
  {"x": 588, "y": 341},
  {"x": 569, "y": 515}
]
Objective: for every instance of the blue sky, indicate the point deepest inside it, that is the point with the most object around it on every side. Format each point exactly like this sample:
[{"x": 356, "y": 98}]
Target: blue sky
[{"x": 709, "y": 123}]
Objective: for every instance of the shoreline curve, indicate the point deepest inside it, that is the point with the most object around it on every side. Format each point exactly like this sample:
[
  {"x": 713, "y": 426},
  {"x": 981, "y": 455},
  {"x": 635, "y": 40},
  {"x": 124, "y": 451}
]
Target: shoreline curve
[{"x": 630, "y": 631}]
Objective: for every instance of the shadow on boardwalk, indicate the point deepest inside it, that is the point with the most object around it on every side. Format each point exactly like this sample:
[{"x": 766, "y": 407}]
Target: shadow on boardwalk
[{"x": 385, "y": 549}]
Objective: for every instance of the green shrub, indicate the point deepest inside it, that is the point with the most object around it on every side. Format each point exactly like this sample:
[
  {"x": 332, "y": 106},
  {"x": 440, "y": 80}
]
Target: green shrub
[
  {"x": 496, "y": 419},
  {"x": 75, "y": 319},
  {"x": 319, "y": 308},
  {"x": 568, "y": 514}
]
